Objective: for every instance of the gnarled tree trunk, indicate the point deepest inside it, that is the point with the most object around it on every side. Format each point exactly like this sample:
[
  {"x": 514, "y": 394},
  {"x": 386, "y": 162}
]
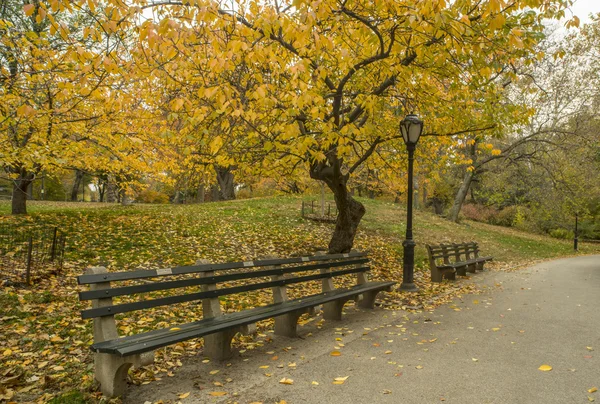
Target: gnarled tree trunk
[{"x": 350, "y": 211}]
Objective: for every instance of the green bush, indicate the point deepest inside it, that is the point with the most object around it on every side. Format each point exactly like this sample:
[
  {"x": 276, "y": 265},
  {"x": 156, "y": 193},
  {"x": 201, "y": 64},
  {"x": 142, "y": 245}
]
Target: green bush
[
  {"x": 505, "y": 217},
  {"x": 562, "y": 234}
]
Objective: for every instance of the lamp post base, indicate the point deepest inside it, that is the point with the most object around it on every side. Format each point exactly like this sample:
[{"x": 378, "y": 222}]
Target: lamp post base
[{"x": 408, "y": 287}]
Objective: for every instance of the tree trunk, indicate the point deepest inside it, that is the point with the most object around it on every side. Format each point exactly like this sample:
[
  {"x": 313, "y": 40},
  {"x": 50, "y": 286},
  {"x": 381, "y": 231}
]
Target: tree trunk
[
  {"x": 350, "y": 211},
  {"x": 125, "y": 199},
  {"x": 111, "y": 190},
  {"x": 200, "y": 194},
  {"x": 19, "y": 194},
  {"x": 76, "y": 185},
  {"x": 438, "y": 205},
  {"x": 459, "y": 199},
  {"x": 225, "y": 181},
  {"x": 322, "y": 199},
  {"x": 101, "y": 189}
]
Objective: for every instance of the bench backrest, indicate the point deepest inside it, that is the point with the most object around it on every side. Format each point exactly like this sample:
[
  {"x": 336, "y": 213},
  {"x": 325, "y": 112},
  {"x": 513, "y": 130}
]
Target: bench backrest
[
  {"x": 282, "y": 272},
  {"x": 452, "y": 253}
]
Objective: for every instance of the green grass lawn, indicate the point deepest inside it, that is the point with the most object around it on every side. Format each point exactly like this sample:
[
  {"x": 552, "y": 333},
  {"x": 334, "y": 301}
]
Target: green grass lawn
[{"x": 43, "y": 339}]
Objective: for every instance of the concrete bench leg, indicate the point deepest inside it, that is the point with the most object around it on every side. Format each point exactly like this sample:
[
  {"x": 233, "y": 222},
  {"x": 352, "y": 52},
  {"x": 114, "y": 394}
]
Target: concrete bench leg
[
  {"x": 462, "y": 271},
  {"x": 436, "y": 275},
  {"x": 287, "y": 324},
  {"x": 217, "y": 346},
  {"x": 472, "y": 268},
  {"x": 333, "y": 310},
  {"x": 480, "y": 266},
  {"x": 450, "y": 275},
  {"x": 111, "y": 371},
  {"x": 368, "y": 299}
]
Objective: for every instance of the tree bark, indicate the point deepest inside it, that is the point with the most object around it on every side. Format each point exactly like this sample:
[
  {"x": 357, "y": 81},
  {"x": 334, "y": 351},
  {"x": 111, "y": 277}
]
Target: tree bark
[
  {"x": 201, "y": 193},
  {"x": 19, "y": 194},
  {"x": 101, "y": 188},
  {"x": 226, "y": 184},
  {"x": 350, "y": 211},
  {"x": 460, "y": 196},
  {"x": 76, "y": 185},
  {"x": 112, "y": 194}
]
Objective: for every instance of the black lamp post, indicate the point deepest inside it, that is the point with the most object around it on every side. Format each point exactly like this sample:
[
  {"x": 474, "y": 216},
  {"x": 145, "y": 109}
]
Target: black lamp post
[
  {"x": 411, "y": 128},
  {"x": 576, "y": 238}
]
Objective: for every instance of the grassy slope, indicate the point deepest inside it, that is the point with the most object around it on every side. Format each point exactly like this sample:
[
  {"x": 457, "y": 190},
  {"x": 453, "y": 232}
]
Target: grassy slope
[
  {"x": 126, "y": 237},
  {"x": 43, "y": 322}
]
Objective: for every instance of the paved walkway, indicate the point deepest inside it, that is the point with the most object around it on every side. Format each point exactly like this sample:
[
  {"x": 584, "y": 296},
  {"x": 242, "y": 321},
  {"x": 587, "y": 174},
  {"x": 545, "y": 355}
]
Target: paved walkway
[{"x": 483, "y": 348}]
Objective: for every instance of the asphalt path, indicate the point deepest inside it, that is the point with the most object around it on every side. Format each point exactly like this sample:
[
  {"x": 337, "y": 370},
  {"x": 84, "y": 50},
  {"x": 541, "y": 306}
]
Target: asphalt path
[{"x": 482, "y": 348}]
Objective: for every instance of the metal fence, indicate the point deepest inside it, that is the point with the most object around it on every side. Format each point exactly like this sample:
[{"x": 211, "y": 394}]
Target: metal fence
[
  {"x": 312, "y": 209},
  {"x": 30, "y": 253}
]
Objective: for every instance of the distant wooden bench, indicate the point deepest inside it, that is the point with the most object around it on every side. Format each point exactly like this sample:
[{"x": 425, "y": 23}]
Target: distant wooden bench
[
  {"x": 114, "y": 355},
  {"x": 447, "y": 260}
]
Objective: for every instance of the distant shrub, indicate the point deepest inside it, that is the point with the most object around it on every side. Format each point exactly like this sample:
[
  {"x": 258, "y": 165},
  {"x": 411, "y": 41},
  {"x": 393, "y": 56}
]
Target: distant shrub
[
  {"x": 151, "y": 196},
  {"x": 505, "y": 217},
  {"x": 562, "y": 234},
  {"x": 243, "y": 193},
  {"x": 478, "y": 213}
]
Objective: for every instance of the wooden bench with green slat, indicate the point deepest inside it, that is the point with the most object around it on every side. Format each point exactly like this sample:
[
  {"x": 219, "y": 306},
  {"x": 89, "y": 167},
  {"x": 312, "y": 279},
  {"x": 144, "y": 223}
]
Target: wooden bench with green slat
[
  {"x": 114, "y": 355},
  {"x": 447, "y": 260}
]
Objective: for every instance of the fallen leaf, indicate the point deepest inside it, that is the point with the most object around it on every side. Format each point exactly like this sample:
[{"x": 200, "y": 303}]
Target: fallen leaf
[
  {"x": 264, "y": 367},
  {"x": 315, "y": 383},
  {"x": 474, "y": 359},
  {"x": 218, "y": 393},
  {"x": 184, "y": 395},
  {"x": 175, "y": 329},
  {"x": 340, "y": 380},
  {"x": 593, "y": 390},
  {"x": 214, "y": 372},
  {"x": 545, "y": 368},
  {"x": 388, "y": 352},
  {"x": 418, "y": 367},
  {"x": 286, "y": 381},
  {"x": 387, "y": 391},
  {"x": 335, "y": 353}
]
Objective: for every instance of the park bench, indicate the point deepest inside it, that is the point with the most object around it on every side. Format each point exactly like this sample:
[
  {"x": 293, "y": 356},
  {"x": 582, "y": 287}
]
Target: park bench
[
  {"x": 447, "y": 260},
  {"x": 114, "y": 355}
]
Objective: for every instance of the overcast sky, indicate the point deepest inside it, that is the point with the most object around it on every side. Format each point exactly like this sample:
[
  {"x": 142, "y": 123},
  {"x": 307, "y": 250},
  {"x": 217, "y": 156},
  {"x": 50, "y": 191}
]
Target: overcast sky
[{"x": 583, "y": 8}]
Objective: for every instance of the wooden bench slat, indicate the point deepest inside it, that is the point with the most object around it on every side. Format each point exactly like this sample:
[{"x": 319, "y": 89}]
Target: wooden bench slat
[
  {"x": 158, "y": 338},
  {"x": 458, "y": 258},
  {"x": 156, "y": 286},
  {"x": 153, "y": 273},
  {"x": 164, "y": 301}
]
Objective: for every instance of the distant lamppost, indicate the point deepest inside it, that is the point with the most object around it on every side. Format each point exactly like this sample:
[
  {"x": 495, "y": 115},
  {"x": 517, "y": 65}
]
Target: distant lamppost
[
  {"x": 411, "y": 128},
  {"x": 576, "y": 238}
]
